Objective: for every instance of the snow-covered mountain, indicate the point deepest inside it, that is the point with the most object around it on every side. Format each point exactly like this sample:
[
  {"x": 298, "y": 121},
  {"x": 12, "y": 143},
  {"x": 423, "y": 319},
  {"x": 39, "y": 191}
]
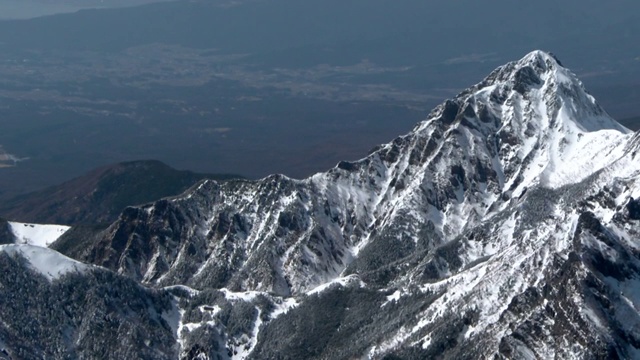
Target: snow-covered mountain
[
  {"x": 54, "y": 307},
  {"x": 529, "y": 124},
  {"x": 503, "y": 226}
]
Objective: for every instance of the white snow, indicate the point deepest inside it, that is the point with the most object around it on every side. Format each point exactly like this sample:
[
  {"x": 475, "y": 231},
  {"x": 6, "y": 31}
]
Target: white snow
[
  {"x": 343, "y": 281},
  {"x": 37, "y": 234},
  {"x": 48, "y": 262},
  {"x": 555, "y": 135},
  {"x": 247, "y": 296},
  {"x": 283, "y": 307},
  {"x": 393, "y": 297},
  {"x": 244, "y": 350},
  {"x": 174, "y": 320},
  {"x": 189, "y": 290}
]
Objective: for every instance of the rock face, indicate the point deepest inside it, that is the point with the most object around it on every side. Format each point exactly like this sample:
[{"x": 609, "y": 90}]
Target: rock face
[{"x": 503, "y": 226}]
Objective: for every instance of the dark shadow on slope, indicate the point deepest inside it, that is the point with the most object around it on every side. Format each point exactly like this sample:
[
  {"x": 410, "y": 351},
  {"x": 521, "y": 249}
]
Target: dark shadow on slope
[{"x": 100, "y": 196}]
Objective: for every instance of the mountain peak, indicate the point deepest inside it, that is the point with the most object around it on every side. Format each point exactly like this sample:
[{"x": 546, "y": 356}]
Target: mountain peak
[
  {"x": 535, "y": 119},
  {"x": 533, "y": 71},
  {"x": 546, "y": 89},
  {"x": 540, "y": 58},
  {"x": 508, "y": 214},
  {"x": 540, "y": 79}
]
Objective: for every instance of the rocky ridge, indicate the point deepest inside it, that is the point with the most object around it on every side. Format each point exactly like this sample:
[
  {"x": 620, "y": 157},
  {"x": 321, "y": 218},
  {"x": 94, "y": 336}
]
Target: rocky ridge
[{"x": 504, "y": 226}]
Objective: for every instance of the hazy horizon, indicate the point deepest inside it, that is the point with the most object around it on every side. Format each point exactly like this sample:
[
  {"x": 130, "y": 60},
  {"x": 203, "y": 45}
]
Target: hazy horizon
[
  {"x": 286, "y": 86},
  {"x": 28, "y": 9}
]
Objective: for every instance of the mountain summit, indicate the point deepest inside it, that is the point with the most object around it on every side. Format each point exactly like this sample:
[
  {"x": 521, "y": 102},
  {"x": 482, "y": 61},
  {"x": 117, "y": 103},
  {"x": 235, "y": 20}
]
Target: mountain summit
[{"x": 503, "y": 226}]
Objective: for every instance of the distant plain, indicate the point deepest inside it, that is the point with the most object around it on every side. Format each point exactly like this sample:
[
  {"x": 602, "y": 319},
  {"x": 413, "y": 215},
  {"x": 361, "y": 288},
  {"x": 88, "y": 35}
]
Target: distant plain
[{"x": 254, "y": 90}]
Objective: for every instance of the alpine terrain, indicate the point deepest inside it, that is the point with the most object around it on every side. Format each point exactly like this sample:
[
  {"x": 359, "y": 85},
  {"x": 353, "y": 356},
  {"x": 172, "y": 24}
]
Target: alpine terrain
[{"x": 503, "y": 226}]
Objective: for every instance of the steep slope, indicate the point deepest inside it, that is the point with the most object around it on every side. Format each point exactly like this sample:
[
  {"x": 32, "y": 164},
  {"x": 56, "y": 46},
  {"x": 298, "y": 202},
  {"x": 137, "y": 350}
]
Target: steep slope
[
  {"x": 514, "y": 131},
  {"x": 36, "y": 234},
  {"x": 56, "y": 308},
  {"x": 503, "y": 226},
  {"x": 99, "y": 196}
]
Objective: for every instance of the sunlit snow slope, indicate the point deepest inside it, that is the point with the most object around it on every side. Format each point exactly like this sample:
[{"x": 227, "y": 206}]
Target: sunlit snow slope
[
  {"x": 505, "y": 225},
  {"x": 47, "y": 262},
  {"x": 36, "y": 234}
]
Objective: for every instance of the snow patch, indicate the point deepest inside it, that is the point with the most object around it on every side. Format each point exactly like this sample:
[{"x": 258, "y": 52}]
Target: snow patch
[
  {"x": 247, "y": 296},
  {"x": 246, "y": 348},
  {"x": 173, "y": 318},
  {"x": 51, "y": 264},
  {"x": 36, "y": 234},
  {"x": 343, "y": 281},
  {"x": 283, "y": 307}
]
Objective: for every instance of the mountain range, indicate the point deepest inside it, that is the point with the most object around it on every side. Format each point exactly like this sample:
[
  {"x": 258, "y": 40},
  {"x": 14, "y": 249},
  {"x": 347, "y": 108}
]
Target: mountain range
[{"x": 503, "y": 226}]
